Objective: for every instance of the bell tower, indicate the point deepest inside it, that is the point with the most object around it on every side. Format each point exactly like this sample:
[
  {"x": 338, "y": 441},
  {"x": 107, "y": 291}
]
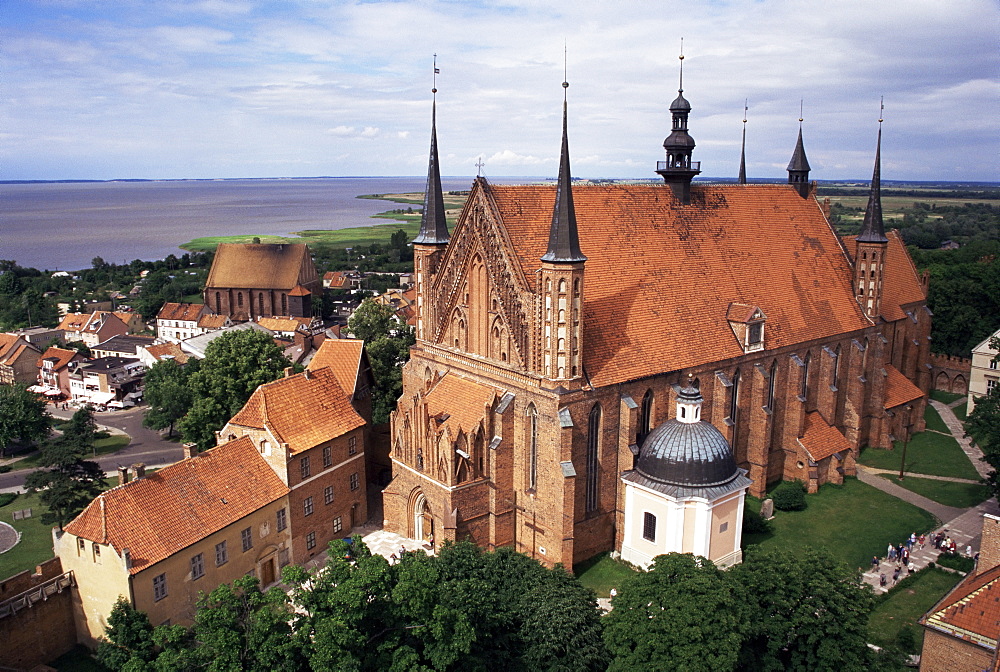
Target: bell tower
[
  {"x": 871, "y": 244},
  {"x": 432, "y": 240},
  {"x": 561, "y": 280},
  {"x": 678, "y": 170},
  {"x": 798, "y": 167}
]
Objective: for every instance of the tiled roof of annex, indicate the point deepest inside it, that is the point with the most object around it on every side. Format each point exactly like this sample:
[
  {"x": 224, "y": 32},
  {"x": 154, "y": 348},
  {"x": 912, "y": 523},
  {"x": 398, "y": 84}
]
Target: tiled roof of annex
[
  {"x": 820, "y": 439},
  {"x": 283, "y": 406},
  {"x": 189, "y": 312},
  {"x": 343, "y": 357},
  {"x": 163, "y": 351},
  {"x": 261, "y": 266},
  {"x": 10, "y": 344},
  {"x": 459, "y": 403},
  {"x": 901, "y": 285},
  {"x": 160, "y": 514},
  {"x": 279, "y": 323},
  {"x": 899, "y": 389},
  {"x": 658, "y": 272},
  {"x": 972, "y": 611}
]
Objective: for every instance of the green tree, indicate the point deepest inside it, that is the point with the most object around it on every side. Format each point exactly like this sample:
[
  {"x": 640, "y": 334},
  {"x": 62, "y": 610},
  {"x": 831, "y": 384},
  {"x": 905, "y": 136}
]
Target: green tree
[
  {"x": 387, "y": 343},
  {"x": 67, "y": 482},
  {"x": 167, "y": 393},
  {"x": 80, "y": 431},
  {"x": 683, "y": 614},
  {"x": 129, "y": 637},
  {"x": 809, "y": 612},
  {"x": 235, "y": 365},
  {"x": 23, "y": 416}
]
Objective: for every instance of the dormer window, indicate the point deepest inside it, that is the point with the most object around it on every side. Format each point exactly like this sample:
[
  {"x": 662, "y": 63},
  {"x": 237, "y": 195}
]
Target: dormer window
[{"x": 747, "y": 323}]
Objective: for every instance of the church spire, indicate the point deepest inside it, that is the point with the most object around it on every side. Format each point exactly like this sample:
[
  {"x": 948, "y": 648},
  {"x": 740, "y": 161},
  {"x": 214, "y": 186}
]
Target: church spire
[
  {"x": 564, "y": 244},
  {"x": 743, "y": 148},
  {"x": 798, "y": 167},
  {"x": 873, "y": 229},
  {"x": 678, "y": 170},
  {"x": 433, "y": 225}
]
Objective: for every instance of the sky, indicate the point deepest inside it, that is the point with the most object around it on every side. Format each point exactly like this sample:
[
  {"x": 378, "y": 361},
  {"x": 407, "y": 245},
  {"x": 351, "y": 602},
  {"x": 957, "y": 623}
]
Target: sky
[{"x": 129, "y": 89}]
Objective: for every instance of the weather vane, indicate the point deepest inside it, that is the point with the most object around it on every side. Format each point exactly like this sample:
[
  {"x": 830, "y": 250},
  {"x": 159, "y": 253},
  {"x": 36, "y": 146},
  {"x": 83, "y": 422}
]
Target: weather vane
[
  {"x": 800, "y": 111},
  {"x": 680, "y": 88},
  {"x": 746, "y": 107},
  {"x": 437, "y": 71},
  {"x": 479, "y": 167},
  {"x": 881, "y": 108}
]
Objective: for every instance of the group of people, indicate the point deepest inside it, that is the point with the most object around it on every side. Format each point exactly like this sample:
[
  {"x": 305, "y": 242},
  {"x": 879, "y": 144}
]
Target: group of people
[{"x": 901, "y": 556}]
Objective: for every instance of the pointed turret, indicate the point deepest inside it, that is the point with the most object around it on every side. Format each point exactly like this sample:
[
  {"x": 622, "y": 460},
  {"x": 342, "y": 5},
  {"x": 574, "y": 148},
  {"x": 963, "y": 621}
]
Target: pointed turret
[
  {"x": 561, "y": 282},
  {"x": 871, "y": 245},
  {"x": 678, "y": 170},
  {"x": 433, "y": 225},
  {"x": 873, "y": 229},
  {"x": 564, "y": 244},
  {"x": 743, "y": 149},
  {"x": 798, "y": 167}
]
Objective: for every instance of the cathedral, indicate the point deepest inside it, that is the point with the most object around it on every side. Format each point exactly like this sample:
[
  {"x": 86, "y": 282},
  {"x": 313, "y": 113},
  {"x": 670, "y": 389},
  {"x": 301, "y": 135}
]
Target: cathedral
[{"x": 562, "y": 331}]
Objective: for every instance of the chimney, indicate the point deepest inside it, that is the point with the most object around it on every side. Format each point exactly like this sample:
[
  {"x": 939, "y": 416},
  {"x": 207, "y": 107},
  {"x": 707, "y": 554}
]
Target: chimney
[
  {"x": 289, "y": 371},
  {"x": 140, "y": 470},
  {"x": 127, "y": 555},
  {"x": 190, "y": 450},
  {"x": 306, "y": 374},
  {"x": 122, "y": 475},
  {"x": 989, "y": 548}
]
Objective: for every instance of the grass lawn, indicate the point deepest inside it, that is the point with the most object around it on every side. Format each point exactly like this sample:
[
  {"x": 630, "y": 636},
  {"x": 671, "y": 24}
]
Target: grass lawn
[
  {"x": 927, "y": 453},
  {"x": 945, "y": 397},
  {"x": 600, "y": 573},
  {"x": 112, "y": 444},
  {"x": 36, "y": 539},
  {"x": 961, "y": 412},
  {"x": 78, "y": 660},
  {"x": 853, "y": 521},
  {"x": 934, "y": 421},
  {"x": 961, "y": 495},
  {"x": 903, "y": 605}
]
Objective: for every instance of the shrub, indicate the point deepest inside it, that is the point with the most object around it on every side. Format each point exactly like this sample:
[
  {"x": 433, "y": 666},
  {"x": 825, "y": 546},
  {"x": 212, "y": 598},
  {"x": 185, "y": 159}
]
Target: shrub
[
  {"x": 956, "y": 561},
  {"x": 754, "y": 523},
  {"x": 5, "y": 468},
  {"x": 789, "y": 496},
  {"x": 7, "y": 497}
]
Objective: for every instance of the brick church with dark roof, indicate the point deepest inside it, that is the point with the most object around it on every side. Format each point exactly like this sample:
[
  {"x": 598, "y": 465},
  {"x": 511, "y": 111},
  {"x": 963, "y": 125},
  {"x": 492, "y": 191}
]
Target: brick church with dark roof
[{"x": 556, "y": 325}]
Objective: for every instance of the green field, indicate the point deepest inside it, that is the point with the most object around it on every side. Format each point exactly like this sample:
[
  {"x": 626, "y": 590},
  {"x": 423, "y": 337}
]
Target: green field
[
  {"x": 949, "y": 493},
  {"x": 600, "y": 573},
  {"x": 926, "y": 453},
  {"x": 904, "y": 604},
  {"x": 36, "y": 539},
  {"x": 853, "y": 521}
]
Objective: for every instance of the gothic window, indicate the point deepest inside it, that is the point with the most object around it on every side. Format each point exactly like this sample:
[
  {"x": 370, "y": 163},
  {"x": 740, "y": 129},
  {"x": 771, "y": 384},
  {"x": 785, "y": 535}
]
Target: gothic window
[
  {"x": 284, "y": 304},
  {"x": 734, "y": 405},
  {"x": 864, "y": 359},
  {"x": 260, "y": 303},
  {"x": 645, "y": 417},
  {"x": 239, "y": 299},
  {"x": 772, "y": 377},
  {"x": 593, "y": 446},
  {"x": 218, "y": 302},
  {"x": 804, "y": 385},
  {"x": 562, "y": 285},
  {"x": 532, "y": 441},
  {"x": 835, "y": 375}
]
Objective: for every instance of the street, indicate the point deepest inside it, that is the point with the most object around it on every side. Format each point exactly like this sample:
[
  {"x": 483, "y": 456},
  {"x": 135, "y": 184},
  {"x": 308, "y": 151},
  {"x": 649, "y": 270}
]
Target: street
[{"x": 146, "y": 446}]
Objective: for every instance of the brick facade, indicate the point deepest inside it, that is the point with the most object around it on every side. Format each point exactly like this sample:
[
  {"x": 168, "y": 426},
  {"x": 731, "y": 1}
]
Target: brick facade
[{"x": 43, "y": 631}]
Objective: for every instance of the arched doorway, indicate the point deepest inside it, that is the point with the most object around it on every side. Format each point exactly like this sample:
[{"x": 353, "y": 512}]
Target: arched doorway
[{"x": 423, "y": 522}]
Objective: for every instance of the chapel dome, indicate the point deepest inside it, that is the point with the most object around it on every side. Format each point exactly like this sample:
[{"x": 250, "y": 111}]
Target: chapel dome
[{"x": 693, "y": 454}]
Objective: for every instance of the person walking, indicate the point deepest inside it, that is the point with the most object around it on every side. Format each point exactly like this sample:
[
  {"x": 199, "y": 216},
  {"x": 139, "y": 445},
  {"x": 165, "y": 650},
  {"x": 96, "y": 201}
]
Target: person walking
[
  {"x": 881, "y": 579},
  {"x": 874, "y": 562},
  {"x": 891, "y": 556},
  {"x": 895, "y": 575}
]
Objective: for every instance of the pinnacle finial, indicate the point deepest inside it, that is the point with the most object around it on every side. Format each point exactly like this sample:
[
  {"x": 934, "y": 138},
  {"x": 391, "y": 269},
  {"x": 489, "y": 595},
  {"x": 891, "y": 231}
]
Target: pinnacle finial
[
  {"x": 680, "y": 84},
  {"x": 437, "y": 71}
]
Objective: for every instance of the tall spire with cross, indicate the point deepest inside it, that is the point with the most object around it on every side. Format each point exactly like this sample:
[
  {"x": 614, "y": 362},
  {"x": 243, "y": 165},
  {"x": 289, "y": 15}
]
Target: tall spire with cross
[
  {"x": 743, "y": 149},
  {"x": 564, "y": 245},
  {"x": 873, "y": 229},
  {"x": 433, "y": 225},
  {"x": 871, "y": 245},
  {"x": 678, "y": 170}
]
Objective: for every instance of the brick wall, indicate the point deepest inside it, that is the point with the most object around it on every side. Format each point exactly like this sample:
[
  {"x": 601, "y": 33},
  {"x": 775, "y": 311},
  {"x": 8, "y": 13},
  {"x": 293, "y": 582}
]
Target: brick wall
[
  {"x": 950, "y": 374},
  {"x": 942, "y": 653},
  {"x": 39, "y": 634},
  {"x": 989, "y": 551}
]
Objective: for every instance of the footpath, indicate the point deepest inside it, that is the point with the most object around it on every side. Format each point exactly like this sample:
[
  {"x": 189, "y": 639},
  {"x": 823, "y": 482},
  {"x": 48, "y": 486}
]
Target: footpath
[{"x": 964, "y": 526}]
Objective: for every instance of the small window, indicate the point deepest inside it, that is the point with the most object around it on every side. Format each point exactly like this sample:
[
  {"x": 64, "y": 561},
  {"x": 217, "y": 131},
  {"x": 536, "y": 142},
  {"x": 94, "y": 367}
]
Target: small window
[
  {"x": 307, "y": 506},
  {"x": 337, "y": 525},
  {"x": 284, "y": 557},
  {"x": 81, "y": 546},
  {"x": 221, "y": 554},
  {"x": 197, "y": 566},
  {"x": 246, "y": 536},
  {"x": 304, "y": 467},
  {"x": 282, "y": 519},
  {"x": 755, "y": 334},
  {"x": 649, "y": 526},
  {"x": 311, "y": 541},
  {"x": 327, "y": 456},
  {"x": 97, "y": 553},
  {"x": 328, "y": 494},
  {"x": 354, "y": 481},
  {"x": 993, "y": 363},
  {"x": 159, "y": 587},
  {"x": 352, "y": 445}
]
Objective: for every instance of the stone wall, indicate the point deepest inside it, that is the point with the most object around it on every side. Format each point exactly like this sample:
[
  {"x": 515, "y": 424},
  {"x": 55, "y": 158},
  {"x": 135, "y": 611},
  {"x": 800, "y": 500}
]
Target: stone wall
[{"x": 950, "y": 374}]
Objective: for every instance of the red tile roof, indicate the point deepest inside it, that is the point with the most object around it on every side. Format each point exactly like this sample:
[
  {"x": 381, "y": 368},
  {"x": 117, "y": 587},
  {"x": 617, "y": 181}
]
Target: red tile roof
[
  {"x": 335, "y": 279},
  {"x": 189, "y": 312},
  {"x": 971, "y": 612},
  {"x": 163, "y": 513},
  {"x": 60, "y": 357},
  {"x": 901, "y": 286},
  {"x": 261, "y": 266},
  {"x": 343, "y": 357},
  {"x": 660, "y": 277},
  {"x": 459, "y": 403},
  {"x": 167, "y": 351},
  {"x": 898, "y": 388},
  {"x": 821, "y": 440},
  {"x": 303, "y": 410}
]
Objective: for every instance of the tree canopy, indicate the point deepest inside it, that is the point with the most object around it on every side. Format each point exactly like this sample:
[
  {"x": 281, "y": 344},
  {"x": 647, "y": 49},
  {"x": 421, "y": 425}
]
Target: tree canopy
[
  {"x": 387, "y": 342},
  {"x": 23, "y": 416},
  {"x": 168, "y": 393},
  {"x": 235, "y": 365}
]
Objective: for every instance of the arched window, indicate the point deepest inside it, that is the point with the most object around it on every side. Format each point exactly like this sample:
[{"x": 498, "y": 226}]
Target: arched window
[
  {"x": 260, "y": 304},
  {"x": 218, "y": 302},
  {"x": 835, "y": 369},
  {"x": 734, "y": 397},
  {"x": 239, "y": 299},
  {"x": 284, "y": 304},
  {"x": 531, "y": 417},
  {"x": 645, "y": 417},
  {"x": 593, "y": 446},
  {"x": 804, "y": 385}
]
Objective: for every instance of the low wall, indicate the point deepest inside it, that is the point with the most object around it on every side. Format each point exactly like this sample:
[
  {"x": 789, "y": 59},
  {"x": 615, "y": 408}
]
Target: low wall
[
  {"x": 950, "y": 374},
  {"x": 36, "y": 616}
]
